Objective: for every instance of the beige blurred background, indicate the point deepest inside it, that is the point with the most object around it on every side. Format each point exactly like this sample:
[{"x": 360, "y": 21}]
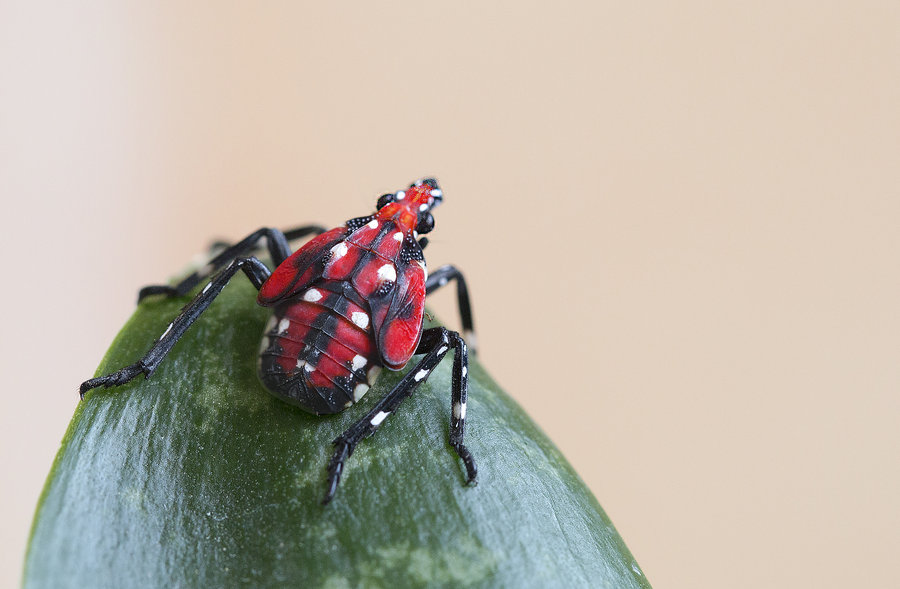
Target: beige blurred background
[{"x": 679, "y": 224}]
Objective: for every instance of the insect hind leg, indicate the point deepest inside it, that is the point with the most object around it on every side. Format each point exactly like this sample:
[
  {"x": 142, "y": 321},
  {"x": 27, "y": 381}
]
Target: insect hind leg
[
  {"x": 435, "y": 344},
  {"x": 292, "y": 234},
  {"x": 255, "y": 270},
  {"x": 276, "y": 243}
]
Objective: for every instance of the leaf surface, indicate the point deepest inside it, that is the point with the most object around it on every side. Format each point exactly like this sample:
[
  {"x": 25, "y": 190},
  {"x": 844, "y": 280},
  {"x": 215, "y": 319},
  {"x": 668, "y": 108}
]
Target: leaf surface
[{"x": 197, "y": 477}]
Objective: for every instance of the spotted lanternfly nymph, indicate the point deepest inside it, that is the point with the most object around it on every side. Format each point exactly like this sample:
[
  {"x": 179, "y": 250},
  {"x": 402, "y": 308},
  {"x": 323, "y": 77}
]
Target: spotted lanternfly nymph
[{"x": 346, "y": 304}]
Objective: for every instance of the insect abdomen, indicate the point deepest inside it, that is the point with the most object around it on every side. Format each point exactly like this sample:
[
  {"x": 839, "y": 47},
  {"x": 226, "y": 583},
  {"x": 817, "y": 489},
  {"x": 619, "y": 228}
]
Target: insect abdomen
[{"x": 318, "y": 351}]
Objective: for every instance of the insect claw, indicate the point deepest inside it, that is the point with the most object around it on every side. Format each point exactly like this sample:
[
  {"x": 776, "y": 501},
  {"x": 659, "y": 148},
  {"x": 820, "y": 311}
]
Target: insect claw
[
  {"x": 336, "y": 467},
  {"x": 333, "y": 480},
  {"x": 469, "y": 461},
  {"x": 86, "y": 386},
  {"x": 117, "y": 378}
]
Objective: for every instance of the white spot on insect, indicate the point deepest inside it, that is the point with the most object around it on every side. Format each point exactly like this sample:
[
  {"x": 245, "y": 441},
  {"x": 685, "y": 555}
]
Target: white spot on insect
[
  {"x": 166, "y": 332},
  {"x": 379, "y": 417},
  {"x": 437, "y": 192},
  {"x": 283, "y": 325},
  {"x": 360, "y": 319},
  {"x": 312, "y": 295},
  {"x": 339, "y": 250},
  {"x": 423, "y": 207},
  {"x": 360, "y": 390},
  {"x": 348, "y": 404},
  {"x": 358, "y": 362},
  {"x": 442, "y": 350},
  {"x": 465, "y": 371},
  {"x": 373, "y": 224},
  {"x": 420, "y": 375},
  {"x": 301, "y": 364},
  {"x": 421, "y": 263},
  {"x": 206, "y": 288},
  {"x": 401, "y": 195},
  {"x": 373, "y": 373},
  {"x": 309, "y": 367},
  {"x": 459, "y": 410},
  {"x": 387, "y": 272},
  {"x": 398, "y": 236}
]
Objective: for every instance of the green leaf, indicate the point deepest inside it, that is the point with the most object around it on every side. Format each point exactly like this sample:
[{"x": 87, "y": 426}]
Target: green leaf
[{"x": 197, "y": 477}]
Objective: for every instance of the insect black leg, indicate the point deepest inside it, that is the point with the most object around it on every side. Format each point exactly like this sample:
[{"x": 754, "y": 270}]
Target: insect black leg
[
  {"x": 255, "y": 270},
  {"x": 276, "y": 242},
  {"x": 301, "y": 232},
  {"x": 441, "y": 277},
  {"x": 219, "y": 245},
  {"x": 435, "y": 344}
]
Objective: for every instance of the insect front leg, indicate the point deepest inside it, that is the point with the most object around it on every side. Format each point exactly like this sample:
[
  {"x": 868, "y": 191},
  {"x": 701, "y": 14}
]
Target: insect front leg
[
  {"x": 276, "y": 242},
  {"x": 435, "y": 344},
  {"x": 255, "y": 270},
  {"x": 441, "y": 277}
]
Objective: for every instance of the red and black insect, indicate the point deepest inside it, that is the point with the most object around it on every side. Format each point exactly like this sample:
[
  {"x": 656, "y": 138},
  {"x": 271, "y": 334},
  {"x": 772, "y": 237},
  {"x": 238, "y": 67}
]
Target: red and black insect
[{"x": 347, "y": 303}]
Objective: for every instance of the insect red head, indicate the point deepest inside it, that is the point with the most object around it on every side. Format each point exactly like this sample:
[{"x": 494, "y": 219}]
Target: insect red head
[{"x": 410, "y": 208}]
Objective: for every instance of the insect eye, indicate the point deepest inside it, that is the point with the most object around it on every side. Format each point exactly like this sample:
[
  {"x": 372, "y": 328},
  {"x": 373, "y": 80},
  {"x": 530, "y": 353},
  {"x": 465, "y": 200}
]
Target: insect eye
[
  {"x": 426, "y": 224},
  {"x": 385, "y": 199}
]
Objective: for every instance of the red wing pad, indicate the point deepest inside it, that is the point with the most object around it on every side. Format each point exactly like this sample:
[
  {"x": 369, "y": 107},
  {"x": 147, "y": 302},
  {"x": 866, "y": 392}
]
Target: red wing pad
[
  {"x": 397, "y": 315},
  {"x": 300, "y": 269},
  {"x": 342, "y": 260}
]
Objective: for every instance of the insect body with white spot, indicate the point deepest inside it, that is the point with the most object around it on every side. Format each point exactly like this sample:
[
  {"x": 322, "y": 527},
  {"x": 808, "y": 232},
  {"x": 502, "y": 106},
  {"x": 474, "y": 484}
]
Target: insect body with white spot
[{"x": 349, "y": 302}]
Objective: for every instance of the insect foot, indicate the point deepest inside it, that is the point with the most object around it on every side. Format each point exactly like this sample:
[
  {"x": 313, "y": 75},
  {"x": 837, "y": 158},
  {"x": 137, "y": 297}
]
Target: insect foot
[{"x": 117, "y": 378}]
